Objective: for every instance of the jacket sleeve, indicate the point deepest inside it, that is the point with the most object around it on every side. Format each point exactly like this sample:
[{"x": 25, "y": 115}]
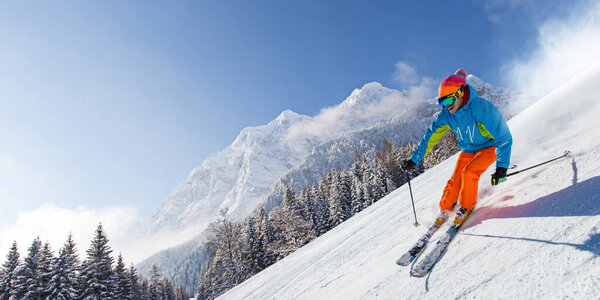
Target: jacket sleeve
[
  {"x": 432, "y": 136},
  {"x": 494, "y": 126}
]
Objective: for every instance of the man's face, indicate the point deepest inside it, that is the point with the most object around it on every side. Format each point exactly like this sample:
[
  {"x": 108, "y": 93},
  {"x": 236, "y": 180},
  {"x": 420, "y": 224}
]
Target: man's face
[{"x": 457, "y": 104}]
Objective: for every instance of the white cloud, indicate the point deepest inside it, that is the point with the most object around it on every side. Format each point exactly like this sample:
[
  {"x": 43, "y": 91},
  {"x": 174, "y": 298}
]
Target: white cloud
[
  {"x": 405, "y": 74},
  {"x": 53, "y": 224},
  {"x": 565, "y": 47},
  {"x": 337, "y": 120}
]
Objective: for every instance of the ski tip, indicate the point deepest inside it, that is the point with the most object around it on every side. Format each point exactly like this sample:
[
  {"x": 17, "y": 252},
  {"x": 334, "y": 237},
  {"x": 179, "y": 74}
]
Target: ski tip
[
  {"x": 418, "y": 275},
  {"x": 404, "y": 261}
]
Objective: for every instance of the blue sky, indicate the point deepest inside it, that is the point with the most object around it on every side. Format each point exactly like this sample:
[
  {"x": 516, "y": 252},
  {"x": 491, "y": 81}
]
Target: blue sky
[{"x": 112, "y": 103}]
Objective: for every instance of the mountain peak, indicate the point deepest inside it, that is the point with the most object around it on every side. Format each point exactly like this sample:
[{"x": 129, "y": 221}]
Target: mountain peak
[
  {"x": 369, "y": 93},
  {"x": 287, "y": 116}
]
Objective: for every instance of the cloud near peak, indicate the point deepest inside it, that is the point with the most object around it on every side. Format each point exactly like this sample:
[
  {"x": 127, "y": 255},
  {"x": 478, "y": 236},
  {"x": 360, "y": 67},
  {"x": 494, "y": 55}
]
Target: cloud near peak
[{"x": 565, "y": 47}]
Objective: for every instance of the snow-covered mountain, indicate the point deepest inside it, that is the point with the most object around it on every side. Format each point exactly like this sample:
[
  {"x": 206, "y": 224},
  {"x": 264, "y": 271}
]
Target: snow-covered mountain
[
  {"x": 241, "y": 175},
  {"x": 535, "y": 236}
]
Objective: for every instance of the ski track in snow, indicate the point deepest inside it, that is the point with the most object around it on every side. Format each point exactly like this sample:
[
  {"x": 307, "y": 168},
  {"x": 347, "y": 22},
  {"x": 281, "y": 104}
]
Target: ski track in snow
[{"x": 536, "y": 236}]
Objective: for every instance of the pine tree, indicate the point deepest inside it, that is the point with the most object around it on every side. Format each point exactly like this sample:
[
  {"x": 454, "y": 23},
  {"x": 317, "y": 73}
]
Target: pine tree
[
  {"x": 367, "y": 185},
  {"x": 9, "y": 272},
  {"x": 321, "y": 210},
  {"x": 338, "y": 209},
  {"x": 346, "y": 190},
  {"x": 379, "y": 184},
  {"x": 45, "y": 271},
  {"x": 324, "y": 187},
  {"x": 358, "y": 195},
  {"x": 357, "y": 166},
  {"x": 181, "y": 293},
  {"x": 308, "y": 205},
  {"x": 135, "y": 293},
  {"x": 264, "y": 233},
  {"x": 167, "y": 291},
  {"x": 144, "y": 289},
  {"x": 122, "y": 281},
  {"x": 251, "y": 249},
  {"x": 28, "y": 280},
  {"x": 96, "y": 272},
  {"x": 155, "y": 284},
  {"x": 63, "y": 283},
  {"x": 291, "y": 203}
]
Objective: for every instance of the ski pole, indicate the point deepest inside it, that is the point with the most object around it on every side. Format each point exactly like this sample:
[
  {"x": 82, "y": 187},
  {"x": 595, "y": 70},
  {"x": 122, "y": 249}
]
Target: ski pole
[
  {"x": 564, "y": 155},
  {"x": 411, "y": 199}
]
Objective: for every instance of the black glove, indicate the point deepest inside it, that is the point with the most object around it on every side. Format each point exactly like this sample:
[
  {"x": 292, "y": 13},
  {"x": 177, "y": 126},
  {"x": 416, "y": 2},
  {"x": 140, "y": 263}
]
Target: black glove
[
  {"x": 408, "y": 164},
  {"x": 499, "y": 176}
]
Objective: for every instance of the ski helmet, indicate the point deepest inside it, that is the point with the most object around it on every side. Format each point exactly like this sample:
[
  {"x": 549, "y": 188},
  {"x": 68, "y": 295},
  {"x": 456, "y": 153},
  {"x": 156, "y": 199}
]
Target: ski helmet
[{"x": 453, "y": 83}]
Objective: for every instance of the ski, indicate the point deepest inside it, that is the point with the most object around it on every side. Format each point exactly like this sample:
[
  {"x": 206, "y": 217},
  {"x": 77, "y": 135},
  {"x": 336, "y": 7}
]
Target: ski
[
  {"x": 411, "y": 254},
  {"x": 429, "y": 261}
]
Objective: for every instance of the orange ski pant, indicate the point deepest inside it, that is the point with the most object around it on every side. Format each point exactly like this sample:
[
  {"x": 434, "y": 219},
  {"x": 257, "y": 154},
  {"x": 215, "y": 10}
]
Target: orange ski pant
[{"x": 465, "y": 178}]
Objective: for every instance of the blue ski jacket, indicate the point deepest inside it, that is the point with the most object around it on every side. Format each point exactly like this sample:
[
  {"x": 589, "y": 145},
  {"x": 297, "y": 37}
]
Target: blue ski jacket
[{"x": 478, "y": 125}]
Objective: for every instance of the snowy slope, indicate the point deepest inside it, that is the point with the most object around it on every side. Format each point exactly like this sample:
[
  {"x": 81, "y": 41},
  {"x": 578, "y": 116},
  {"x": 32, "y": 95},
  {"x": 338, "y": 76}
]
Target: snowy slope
[{"x": 535, "y": 236}]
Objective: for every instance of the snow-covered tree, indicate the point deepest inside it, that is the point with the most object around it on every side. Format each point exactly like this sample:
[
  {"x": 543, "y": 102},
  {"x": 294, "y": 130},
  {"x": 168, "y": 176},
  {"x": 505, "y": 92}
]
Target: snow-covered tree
[
  {"x": 8, "y": 273},
  {"x": 122, "y": 283},
  {"x": 308, "y": 205},
  {"x": 264, "y": 233},
  {"x": 167, "y": 291},
  {"x": 251, "y": 248},
  {"x": 45, "y": 270},
  {"x": 156, "y": 283},
  {"x": 379, "y": 185},
  {"x": 96, "y": 272},
  {"x": 291, "y": 232},
  {"x": 135, "y": 293},
  {"x": 225, "y": 269},
  {"x": 358, "y": 195},
  {"x": 181, "y": 293},
  {"x": 338, "y": 200},
  {"x": 322, "y": 223},
  {"x": 368, "y": 191},
  {"x": 63, "y": 284},
  {"x": 27, "y": 285},
  {"x": 144, "y": 289},
  {"x": 291, "y": 203}
]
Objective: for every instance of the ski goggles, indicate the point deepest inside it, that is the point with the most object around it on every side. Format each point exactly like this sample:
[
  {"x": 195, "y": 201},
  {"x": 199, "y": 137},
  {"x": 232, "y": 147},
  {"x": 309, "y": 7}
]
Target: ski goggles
[{"x": 449, "y": 100}]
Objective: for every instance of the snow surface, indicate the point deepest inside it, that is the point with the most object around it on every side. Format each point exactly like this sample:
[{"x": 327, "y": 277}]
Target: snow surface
[{"x": 535, "y": 236}]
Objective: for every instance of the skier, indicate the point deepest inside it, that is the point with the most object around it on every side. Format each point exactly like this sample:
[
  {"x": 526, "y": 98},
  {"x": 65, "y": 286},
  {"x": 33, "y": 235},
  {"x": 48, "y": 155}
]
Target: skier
[{"x": 483, "y": 136}]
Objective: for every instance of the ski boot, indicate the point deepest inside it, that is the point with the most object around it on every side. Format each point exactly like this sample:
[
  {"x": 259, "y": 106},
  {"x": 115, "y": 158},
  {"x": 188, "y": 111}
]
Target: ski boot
[
  {"x": 442, "y": 217},
  {"x": 461, "y": 215}
]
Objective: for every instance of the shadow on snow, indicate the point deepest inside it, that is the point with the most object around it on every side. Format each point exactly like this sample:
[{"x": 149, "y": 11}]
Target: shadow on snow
[{"x": 578, "y": 200}]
